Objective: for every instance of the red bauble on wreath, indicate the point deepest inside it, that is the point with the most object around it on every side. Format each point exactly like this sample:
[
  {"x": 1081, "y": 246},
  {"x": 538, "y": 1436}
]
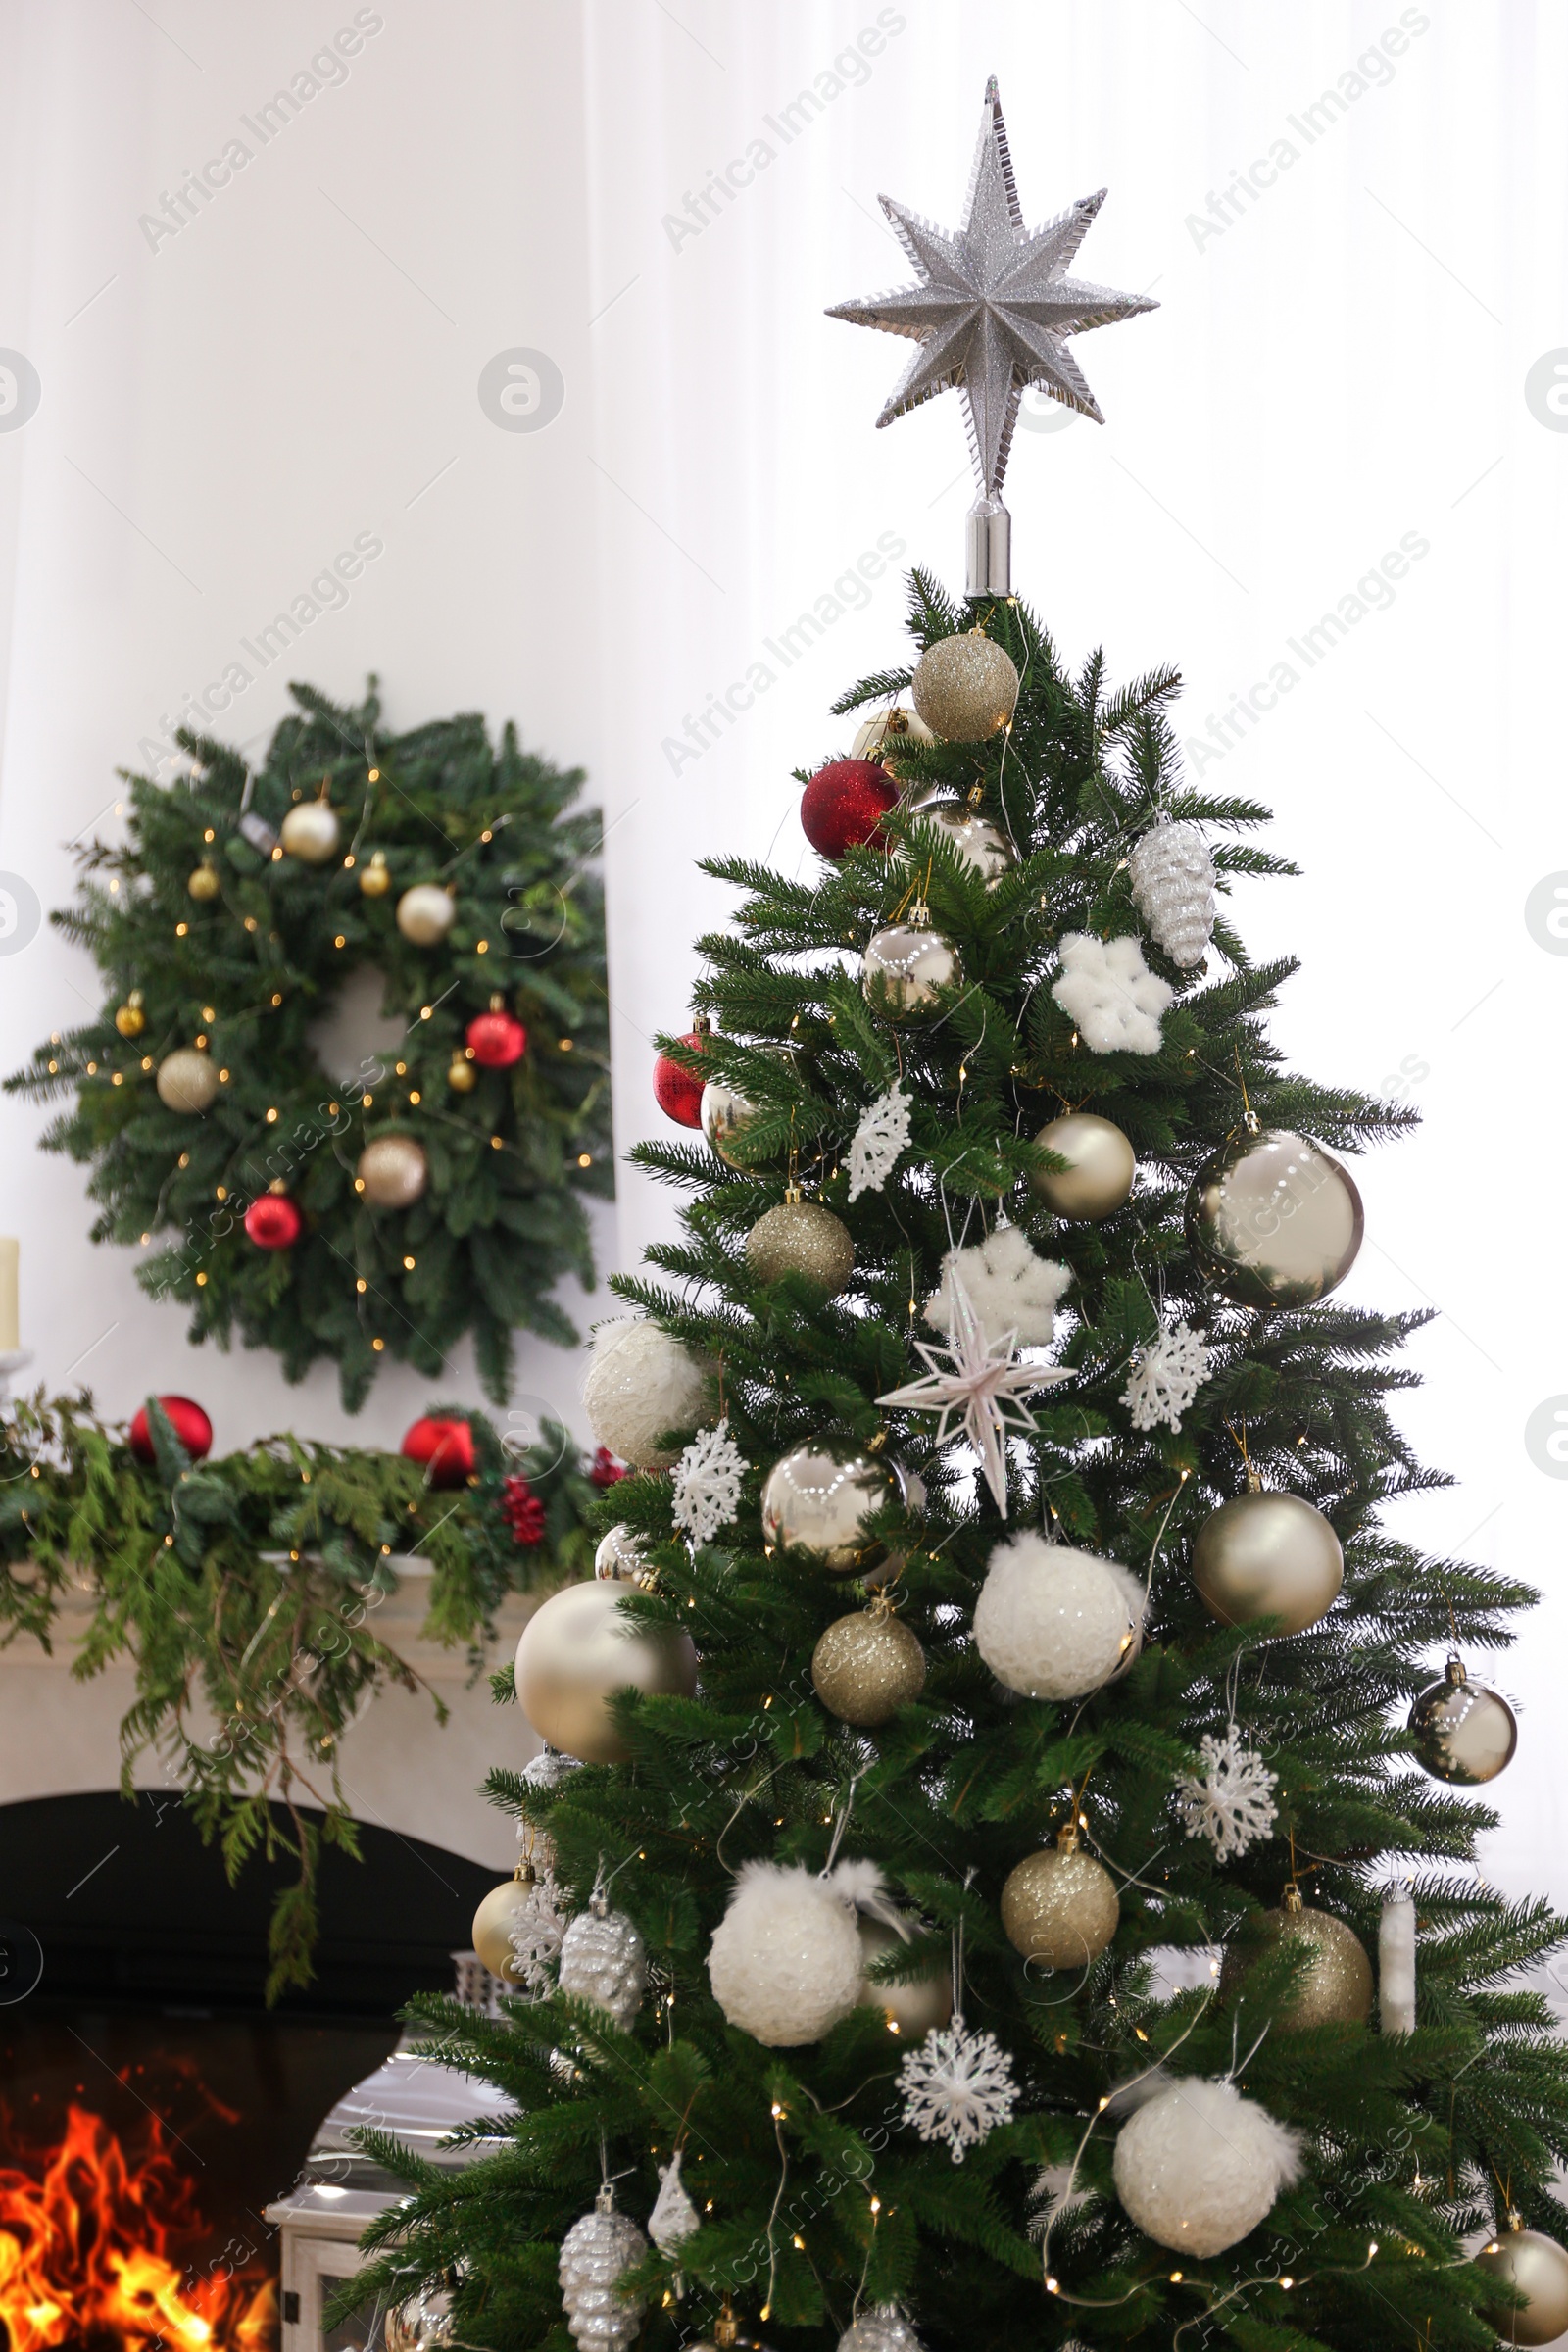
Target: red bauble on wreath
[
  {"x": 274, "y": 1221},
  {"x": 496, "y": 1038},
  {"x": 844, "y": 804},
  {"x": 677, "y": 1092},
  {"x": 189, "y": 1423},
  {"x": 445, "y": 1447}
]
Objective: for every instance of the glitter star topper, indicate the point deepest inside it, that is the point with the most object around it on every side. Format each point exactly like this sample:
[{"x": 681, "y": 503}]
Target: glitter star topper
[
  {"x": 979, "y": 1384},
  {"x": 991, "y": 312}
]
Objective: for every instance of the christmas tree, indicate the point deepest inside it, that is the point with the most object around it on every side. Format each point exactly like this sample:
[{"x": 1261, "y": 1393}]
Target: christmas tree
[{"x": 1004, "y": 1731}]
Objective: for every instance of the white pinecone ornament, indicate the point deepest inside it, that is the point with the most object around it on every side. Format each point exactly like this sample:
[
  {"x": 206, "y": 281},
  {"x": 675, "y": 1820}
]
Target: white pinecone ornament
[
  {"x": 883, "y": 2329},
  {"x": 594, "y": 2254},
  {"x": 603, "y": 1960},
  {"x": 1172, "y": 874}
]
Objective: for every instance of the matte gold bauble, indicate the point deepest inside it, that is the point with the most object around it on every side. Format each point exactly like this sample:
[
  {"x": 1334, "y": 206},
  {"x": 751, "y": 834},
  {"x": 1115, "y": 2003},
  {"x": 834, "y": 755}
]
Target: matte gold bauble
[
  {"x": 310, "y": 832},
  {"x": 879, "y": 738},
  {"x": 394, "y": 1171},
  {"x": 1535, "y": 2267},
  {"x": 205, "y": 883},
  {"x": 1059, "y": 1906},
  {"x": 1464, "y": 1733},
  {"x": 461, "y": 1076},
  {"x": 187, "y": 1081},
  {"x": 425, "y": 913},
  {"x": 130, "y": 1019},
  {"x": 501, "y": 1911},
  {"x": 866, "y": 1666},
  {"x": 973, "y": 838},
  {"x": 620, "y": 1558},
  {"x": 1267, "y": 1555},
  {"x": 802, "y": 1237},
  {"x": 904, "y": 965},
  {"x": 964, "y": 688},
  {"x": 375, "y": 879},
  {"x": 914, "y": 2008},
  {"x": 577, "y": 1650},
  {"x": 1100, "y": 1172},
  {"x": 1337, "y": 1989},
  {"x": 818, "y": 1499},
  {"x": 1273, "y": 1219}
]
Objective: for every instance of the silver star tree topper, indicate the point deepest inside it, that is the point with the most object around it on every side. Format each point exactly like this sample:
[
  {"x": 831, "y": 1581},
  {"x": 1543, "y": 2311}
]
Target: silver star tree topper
[{"x": 992, "y": 313}]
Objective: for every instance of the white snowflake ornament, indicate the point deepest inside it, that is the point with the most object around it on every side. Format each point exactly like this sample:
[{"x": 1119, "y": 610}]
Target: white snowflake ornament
[
  {"x": 883, "y": 1133},
  {"x": 707, "y": 1484},
  {"x": 1230, "y": 1799},
  {"x": 1009, "y": 1288},
  {"x": 1172, "y": 875},
  {"x": 536, "y": 1934},
  {"x": 958, "y": 2087},
  {"x": 1109, "y": 990},
  {"x": 1166, "y": 1377}
]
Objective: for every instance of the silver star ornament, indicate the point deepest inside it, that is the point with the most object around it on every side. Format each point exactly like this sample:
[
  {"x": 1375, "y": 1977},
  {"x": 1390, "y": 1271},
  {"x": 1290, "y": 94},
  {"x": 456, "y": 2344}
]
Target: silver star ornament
[
  {"x": 978, "y": 1382},
  {"x": 991, "y": 312}
]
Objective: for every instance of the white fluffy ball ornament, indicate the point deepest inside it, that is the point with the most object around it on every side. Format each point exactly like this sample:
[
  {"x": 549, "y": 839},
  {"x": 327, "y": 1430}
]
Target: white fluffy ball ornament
[
  {"x": 785, "y": 1962},
  {"x": 1199, "y": 2166},
  {"x": 1054, "y": 1622},
  {"x": 640, "y": 1383}
]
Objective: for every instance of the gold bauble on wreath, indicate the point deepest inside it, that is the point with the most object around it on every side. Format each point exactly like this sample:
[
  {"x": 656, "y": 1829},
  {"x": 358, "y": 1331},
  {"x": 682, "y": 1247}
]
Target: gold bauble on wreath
[
  {"x": 187, "y": 1081},
  {"x": 393, "y": 1171},
  {"x": 818, "y": 1498},
  {"x": 1267, "y": 1555},
  {"x": 501, "y": 1911},
  {"x": 914, "y": 2008},
  {"x": 1535, "y": 2267},
  {"x": 904, "y": 965},
  {"x": 1099, "y": 1176},
  {"x": 205, "y": 883},
  {"x": 880, "y": 738},
  {"x": 130, "y": 1019},
  {"x": 964, "y": 688},
  {"x": 425, "y": 913},
  {"x": 802, "y": 1237},
  {"x": 577, "y": 1650},
  {"x": 375, "y": 879},
  {"x": 1464, "y": 1733},
  {"x": 1059, "y": 1906},
  {"x": 1337, "y": 1989},
  {"x": 869, "y": 1665},
  {"x": 461, "y": 1076},
  {"x": 310, "y": 832},
  {"x": 1273, "y": 1219}
]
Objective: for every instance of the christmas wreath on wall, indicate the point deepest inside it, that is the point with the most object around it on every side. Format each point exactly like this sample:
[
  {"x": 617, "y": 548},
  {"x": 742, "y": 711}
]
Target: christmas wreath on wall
[{"x": 437, "y": 1188}]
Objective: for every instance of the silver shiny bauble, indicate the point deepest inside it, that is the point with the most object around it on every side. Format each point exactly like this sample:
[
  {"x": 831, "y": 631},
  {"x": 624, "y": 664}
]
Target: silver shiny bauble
[
  {"x": 1337, "y": 1989},
  {"x": 971, "y": 836},
  {"x": 394, "y": 1171},
  {"x": 577, "y": 1652},
  {"x": 1464, "y": 1733},
  {"x": 727, "y": 1116},
  {"x": 1535, "y": 2267},
  {"x": 964, "y": 687},
  {"x": 903, "y": 966},
  {"x": 1059, "y": 1906},
  {"x": 818, "y": 1498},
  {"x": 502, "y": 1910},
  {"x": 802, "y": 1237},
  {"x": 187, "y": 1081},
  {"x": 1274, "y": 1220},
  {"x": 621, "y": 1559},
  {"x": 866, "y": 1666},
  {"x": 914, "y": 2008},
  {"x": 880, "y": 737},
  {"x": 310, "y": 832},
  {"x": 1267, "y": 1555},
  {"x": 425, "y": 913},
  {"x": 1099, "y": 1176},
  {"x": 425, "y": 2323}
]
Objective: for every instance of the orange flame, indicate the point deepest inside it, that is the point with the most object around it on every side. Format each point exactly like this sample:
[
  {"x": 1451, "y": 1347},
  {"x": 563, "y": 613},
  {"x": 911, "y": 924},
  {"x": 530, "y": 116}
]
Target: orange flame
[{"x": 85, "y": 2240}]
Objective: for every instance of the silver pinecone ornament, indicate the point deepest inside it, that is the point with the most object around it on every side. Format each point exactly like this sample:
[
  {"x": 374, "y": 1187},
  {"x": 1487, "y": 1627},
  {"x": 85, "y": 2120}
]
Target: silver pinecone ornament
[
  {"x": 883, "y": 2329},
  {"x": 603, "y": 1960},
  {"x": 1172, "y": 875},
  {"x": 594, "y": 2254}
]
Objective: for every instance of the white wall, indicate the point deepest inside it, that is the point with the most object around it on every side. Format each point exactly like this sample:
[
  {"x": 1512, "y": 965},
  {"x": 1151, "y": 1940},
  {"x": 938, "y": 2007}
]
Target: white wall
[{"x": 1341, "y": 364}]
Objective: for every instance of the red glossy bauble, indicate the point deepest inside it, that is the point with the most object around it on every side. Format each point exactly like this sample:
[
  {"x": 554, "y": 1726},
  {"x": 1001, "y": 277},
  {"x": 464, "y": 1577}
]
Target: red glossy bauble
[
  {"x": 446, "y": 1448},
  {"x": 189, "y": 1423},
  {"x": 677, "y": 1092},
  {"x": 844, "y": 804},
  {"x": 272, "y": 1221},
  {"x": 496, "y": 1038}
]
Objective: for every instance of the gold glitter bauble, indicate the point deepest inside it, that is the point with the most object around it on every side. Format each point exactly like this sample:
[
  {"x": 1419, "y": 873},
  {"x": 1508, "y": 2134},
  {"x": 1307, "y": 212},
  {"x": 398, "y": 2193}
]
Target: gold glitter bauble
[
  {"x": 1267, "y": 1555},
  {"x": 971, "y": 836},
  {"x": 866, "y": 1666},
  {"x": 425, "y": 913},
  {"x": 912, "y": 2009},
  {"x": 1464, "y": 1733},
  {"x": 394, "y": 1171},
  {"x": 1059, "y": 1906},
  {"x": 205, "y": 883},
  {"x": 1273, "y": 1219},
  {"x": 501, "y": 1911},
  {"x": 1535, "y": 2267},
  {"x": 903, "y": 966},
  {"x": 310, "y": 832},
  {"x": 802, "y": 1237},
  {"x": 818, "y": 1499},
  {"x": 964, "y": 688},
  {"x": 1337, "y": 1989},
  {"x": 130, "y": 1020},
  {"x": 879, "y": 738},
  {"x": 1101, "y": 1170},
  {"x": 461, "y": 1076},
  {"x": 620, "y": 1560},
  {"x": 375, "y": 879},
  {"x": 577, "y": 1650},
  {"x": 187, "y": 1081}
]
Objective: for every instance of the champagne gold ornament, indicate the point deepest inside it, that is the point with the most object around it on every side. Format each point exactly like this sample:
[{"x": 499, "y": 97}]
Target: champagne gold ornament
[
  {"x": 310, "y": 832},
  {"x": 971, "y": 836},
  {"x": 394, "y": 1171},
  {"x": 502, "y": 1910},
  {"x": 914, "y": 2008},
  {"x": 1272, "y": 1220},
  {"x": 577, "y": 1650},
  {"x": 130, "y": 1020},
  {"x": 1337, "y": 1989},
  {"x": 1059, "y": 1906},
  {"x": 375, "y": 879},
  {"x": 802, "y": 1237},
  {"x": 620, "y": 1558},
  {"x": 904, "y": 965},
  {"x": 1535, "y": 2267},
  {"x": 425, "y": 913},
  {"x": 461, "y": 1076},
  {"x": 1101, "y": 1168},
  {"x": 880, "y": 738},
  {"x": 1464, "y": 1733},
  {"x": 727, "y": 1116},
  {"x": 205, "y": 883},
  {"x": 1267, "y": 1555},
  {"x": 964, "y": 687},
  {"x": 187, "y": 1081},
  {"x": 818, "y": 1499},
  {"x": 869, "y": 1665}
]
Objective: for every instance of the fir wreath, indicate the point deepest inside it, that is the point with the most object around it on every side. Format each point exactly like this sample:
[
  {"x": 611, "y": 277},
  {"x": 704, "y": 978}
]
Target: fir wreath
[{"x": 214, "y": 939}]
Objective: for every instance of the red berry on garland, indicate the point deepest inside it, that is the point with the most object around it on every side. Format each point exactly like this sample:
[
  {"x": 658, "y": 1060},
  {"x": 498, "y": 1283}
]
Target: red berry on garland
[
  {"x": 446, "y": 1448},
  {"x": 604, "y": 1469},
  {"x": 677, "y": 1092},
  {"x": 523, "y": 1510},
  {"x": 844, "y": 804},
  {"x": 273, "y": 1220},
  {"x": 496, "y": 1038},
  {"x": 188, "y": 1422}
]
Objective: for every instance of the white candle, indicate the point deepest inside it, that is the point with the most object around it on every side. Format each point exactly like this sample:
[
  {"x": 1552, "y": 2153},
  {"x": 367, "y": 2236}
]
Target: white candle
[
  {"x": 10, "y": 1328},
  {"x": 1397, "y": 1963}
]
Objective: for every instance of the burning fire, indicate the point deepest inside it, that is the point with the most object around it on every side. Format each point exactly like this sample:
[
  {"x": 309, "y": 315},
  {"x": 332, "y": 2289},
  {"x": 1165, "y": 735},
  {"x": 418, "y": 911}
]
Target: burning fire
[{"x": 85, "y": 2241}]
